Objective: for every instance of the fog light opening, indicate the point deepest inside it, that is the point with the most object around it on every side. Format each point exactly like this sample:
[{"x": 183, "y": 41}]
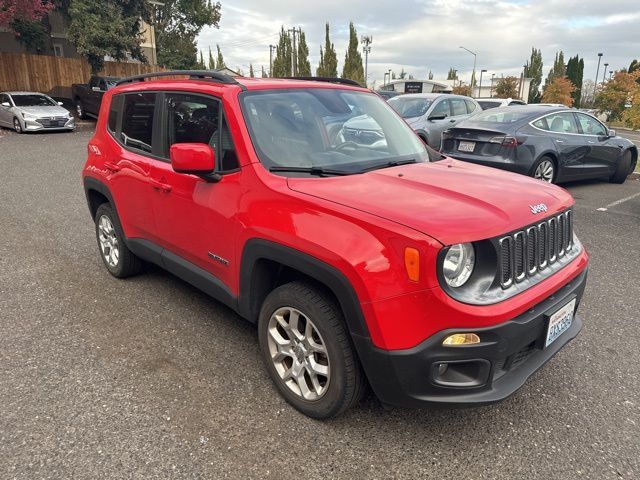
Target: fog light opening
[{"x": 461, "y": 339}]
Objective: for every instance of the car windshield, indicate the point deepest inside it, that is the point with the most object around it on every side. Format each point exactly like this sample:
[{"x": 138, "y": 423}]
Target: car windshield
[
  {"x": 499, "y": 116},
  {"x": 32, "y": 100},
  {"x": 316, "y": 129},
  {"x": 409, "y": 107}
]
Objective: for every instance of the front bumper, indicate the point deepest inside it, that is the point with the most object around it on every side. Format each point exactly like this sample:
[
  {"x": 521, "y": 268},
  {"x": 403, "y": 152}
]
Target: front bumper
[{"x": 509, "y": 353}]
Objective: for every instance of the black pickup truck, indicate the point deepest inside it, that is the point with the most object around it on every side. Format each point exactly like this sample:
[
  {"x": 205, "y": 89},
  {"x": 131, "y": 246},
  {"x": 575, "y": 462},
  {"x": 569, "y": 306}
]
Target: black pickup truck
[{"x": 87, "y": 96}]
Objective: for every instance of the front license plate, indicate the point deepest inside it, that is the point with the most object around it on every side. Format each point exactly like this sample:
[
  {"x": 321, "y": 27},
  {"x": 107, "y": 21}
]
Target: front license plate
[
  {"x": 466, "y": 146},
  {"x": 559, "y": 322}
]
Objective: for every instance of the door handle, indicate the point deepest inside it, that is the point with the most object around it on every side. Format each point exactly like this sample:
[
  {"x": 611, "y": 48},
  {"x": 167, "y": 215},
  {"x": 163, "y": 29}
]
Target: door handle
[
  {"x": 451, "y": 121},
  {"x": 590, "y": 142},
  {"x": 112, "y": 166},
  {"x": 158, "y": 185},
  {"x": 558, "y": 141}
]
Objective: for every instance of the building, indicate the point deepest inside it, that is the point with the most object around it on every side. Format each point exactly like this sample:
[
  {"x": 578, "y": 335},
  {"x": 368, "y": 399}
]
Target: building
[{"x": 58, "y": 44}]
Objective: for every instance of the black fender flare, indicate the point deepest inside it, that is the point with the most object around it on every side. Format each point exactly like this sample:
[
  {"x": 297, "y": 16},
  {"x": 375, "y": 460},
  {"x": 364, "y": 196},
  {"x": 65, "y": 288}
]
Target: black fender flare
[{"x": 91, "y": 183}]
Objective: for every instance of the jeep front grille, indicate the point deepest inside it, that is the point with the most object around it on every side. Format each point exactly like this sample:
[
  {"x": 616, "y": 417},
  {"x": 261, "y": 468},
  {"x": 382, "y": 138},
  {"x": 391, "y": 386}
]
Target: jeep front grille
[{"x": 527, "y": 252}]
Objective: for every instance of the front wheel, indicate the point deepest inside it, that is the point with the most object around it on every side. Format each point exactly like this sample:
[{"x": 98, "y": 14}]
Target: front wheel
[
  {"x": 308, "y": 352},
  {"x": 117, "y": 257},
  {"x": 17, "y": 126},
  {"x": 544, "y": 169},
  {"x": 623, "y": 169}
]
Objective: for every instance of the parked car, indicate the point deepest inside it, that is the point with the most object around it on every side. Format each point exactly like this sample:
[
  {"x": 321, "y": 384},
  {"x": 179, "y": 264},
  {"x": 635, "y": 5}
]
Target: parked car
[
  {"x": 88, "y": 96},
  {"x": 551, "y": 144},
  {"x": 32, "y": 112},
  {"x": 387, "y": 94},
  {"x": 487, "y": 103},
  {"x": 360, "y": 262},
  {"x": 429, "y": 114}
]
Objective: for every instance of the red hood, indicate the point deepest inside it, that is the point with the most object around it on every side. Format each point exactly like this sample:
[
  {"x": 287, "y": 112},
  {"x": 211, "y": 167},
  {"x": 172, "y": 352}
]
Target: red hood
[{"x": 451, "y": 201}]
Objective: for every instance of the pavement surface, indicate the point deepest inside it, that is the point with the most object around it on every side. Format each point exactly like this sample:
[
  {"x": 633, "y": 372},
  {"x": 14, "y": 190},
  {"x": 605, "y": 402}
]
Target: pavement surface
[{"x": 148, "y": 378}]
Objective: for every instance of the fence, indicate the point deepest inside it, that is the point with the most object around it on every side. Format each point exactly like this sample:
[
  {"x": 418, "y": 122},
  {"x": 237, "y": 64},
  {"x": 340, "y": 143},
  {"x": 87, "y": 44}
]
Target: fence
[{"x": 55, "y": 75}]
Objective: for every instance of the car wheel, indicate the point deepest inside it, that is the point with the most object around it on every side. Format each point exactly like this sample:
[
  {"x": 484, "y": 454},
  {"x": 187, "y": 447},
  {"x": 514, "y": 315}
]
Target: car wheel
[
  {"x": 544, "y": 169},
  {"x": 118, "y": 259},
  {"x": 17, "y": 126},
  {"x": 308, "y": 352},
  {"x": 80, "y": 109},
  {"x": 623, "y": 169}
]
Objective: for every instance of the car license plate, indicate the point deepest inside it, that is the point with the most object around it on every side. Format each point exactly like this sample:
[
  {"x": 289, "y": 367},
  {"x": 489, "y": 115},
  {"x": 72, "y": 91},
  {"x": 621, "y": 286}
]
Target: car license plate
[
  {"x": 559, "y": 322},
  {"x": 466, "y": 146}
]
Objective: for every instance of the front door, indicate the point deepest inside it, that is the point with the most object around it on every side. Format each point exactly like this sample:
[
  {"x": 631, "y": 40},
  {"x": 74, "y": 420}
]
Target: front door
[
  {"x": 563, "y": 130},
  {"x": 436, "y": 127},
  {"x": 196, "y": 219},
  {"x": 6, "y": 117},
  {"x": 603, "y": 153}
]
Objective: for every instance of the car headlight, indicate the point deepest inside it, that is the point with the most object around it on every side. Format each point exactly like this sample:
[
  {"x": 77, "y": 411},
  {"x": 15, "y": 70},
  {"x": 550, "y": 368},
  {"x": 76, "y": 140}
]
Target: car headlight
[
  {"x": 28, "y": 116},
  {"x": 458, "y": 264}
]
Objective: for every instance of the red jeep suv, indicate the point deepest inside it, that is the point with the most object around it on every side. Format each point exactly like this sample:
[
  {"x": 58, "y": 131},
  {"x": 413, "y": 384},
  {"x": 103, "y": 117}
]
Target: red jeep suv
[{"x": 365, "y": 258}]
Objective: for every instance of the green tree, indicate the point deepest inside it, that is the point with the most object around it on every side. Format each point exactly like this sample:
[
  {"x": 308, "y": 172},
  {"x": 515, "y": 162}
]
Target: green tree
[
  {"x": 219, "y": 59},
  {"x": 633, "y": 66},
  {"x": 328, "y": 66},
  {"x": 575, "y": 72},
  {"x": 304, "y": 67},
  {"x": 201, "y": 64},
  {"x": 251, "y": 72},
  {"x": 507, "y": 87},
  {"x": 453, "y": 74},
  {"x": 533, "y": 70},
  {"x": 24, "y": 18},
  {"x": 177, "y": 24},
  {"x": 559, "y": 68},
  {"x": 430, "y": 76},
  {"x": 353, "y": 67},
  {"x": 108, "y": 27},
  {"x": 402, "y": 75},
  {"x": 212, "y": 62},
  {"x": 264, "y": 73},
  {"x": 282, "y": 61},
  {"x": 616, "y": 93}
]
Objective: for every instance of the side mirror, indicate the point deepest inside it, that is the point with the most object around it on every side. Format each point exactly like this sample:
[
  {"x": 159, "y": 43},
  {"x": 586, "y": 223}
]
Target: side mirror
[
  {"x": 611, "y": 133},
  {"x": 194, "y": 158},
  {"x": 60, "y": 103},
  {"x": 6, "y": 104},
  {"x": 96, "y": 89},
  {"x": 437, "y": 116}
]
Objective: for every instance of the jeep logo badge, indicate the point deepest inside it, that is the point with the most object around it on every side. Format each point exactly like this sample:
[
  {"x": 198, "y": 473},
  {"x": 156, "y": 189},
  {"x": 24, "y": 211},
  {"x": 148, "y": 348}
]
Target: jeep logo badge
[{"x": 541, "y": 207}]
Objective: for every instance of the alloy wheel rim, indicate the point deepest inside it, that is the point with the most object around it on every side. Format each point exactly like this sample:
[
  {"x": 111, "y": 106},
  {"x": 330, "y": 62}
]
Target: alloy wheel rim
[
  {"x": 544, "y": 171},
  {"x": 79, "y": 109},
  {"x": 16, "y": 125},
  {"x": 298, "y": 353},
  {"x": 108, "y": 241}
]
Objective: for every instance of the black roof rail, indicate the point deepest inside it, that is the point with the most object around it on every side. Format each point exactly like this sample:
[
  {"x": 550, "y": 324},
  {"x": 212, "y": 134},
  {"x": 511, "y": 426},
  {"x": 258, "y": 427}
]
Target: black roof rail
[
  {"x": 343, "y": 81},
  {"x": 193, "y": 75}
]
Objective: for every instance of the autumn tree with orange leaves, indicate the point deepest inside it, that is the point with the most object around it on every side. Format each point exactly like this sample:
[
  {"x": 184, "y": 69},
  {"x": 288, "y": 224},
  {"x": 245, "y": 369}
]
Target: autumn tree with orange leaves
[{"x": 559, "y": 91}]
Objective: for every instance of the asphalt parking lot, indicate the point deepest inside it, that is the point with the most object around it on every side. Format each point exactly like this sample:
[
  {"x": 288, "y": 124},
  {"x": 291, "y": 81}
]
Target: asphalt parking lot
[{"x": 149, "y": 378}]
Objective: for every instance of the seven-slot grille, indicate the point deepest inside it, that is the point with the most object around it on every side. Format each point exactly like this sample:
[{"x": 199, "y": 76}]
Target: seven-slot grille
[
  {"x": 525, "y": 253},
  {"x": 53, "y": 122}
]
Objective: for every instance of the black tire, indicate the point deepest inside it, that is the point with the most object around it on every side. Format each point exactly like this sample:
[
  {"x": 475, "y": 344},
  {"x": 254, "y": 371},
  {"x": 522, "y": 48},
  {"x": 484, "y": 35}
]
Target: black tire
[
  {"x": 80, "y": 112},
  {"x": 548, "y": 160},
  {"x": 623, "y": 169},
  {"x": 17, "y": 126},
  {"x": 127, "y": 263},
  {"x": 346, "y": 383}
]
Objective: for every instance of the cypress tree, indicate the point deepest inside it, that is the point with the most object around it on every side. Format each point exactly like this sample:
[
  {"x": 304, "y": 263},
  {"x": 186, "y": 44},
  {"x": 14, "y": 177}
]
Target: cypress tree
[
  {"x": 575, "y": 71},
  {"x": 353, "y": 68},
  {"x": 533, "y": 70},
  {"x": 303, "y": 67},
  {"x": 220, "y": 61},
  {"x": 328, "y": 66},
  {"x": 212, "y": 62},
  {"x": 282, "y": 60}
]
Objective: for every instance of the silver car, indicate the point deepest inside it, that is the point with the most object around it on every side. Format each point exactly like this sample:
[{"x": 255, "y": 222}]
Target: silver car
[
  {"x": 430, "y": 114},
  {"x": 32, "y": 112}
]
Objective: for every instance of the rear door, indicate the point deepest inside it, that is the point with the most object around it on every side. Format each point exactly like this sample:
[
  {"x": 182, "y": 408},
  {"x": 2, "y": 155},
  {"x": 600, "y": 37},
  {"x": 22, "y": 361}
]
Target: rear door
[
  {"x": 602, "y": 154},
  {"x": 92, "y": 103},
  {"x": 562, "y": 128}
]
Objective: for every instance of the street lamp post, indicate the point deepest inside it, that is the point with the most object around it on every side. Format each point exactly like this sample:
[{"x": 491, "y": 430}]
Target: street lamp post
[
  {"x": 473, "y": 75},
  {"x": 610, "y": 74},
  {"x": 366, "y": 48},
  {"x": 595, "y": 84},
  {"x": 604, "y": 74},
  {"x": 480, "y": 87},
  {"x": 491, "y": 88}
]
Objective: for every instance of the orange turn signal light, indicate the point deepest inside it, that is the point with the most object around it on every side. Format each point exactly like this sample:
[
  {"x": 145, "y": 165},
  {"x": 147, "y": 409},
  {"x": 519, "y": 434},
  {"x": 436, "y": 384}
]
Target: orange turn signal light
[
  {"x": 461, "y": 339},
  {"x": 412, "y": 263}
]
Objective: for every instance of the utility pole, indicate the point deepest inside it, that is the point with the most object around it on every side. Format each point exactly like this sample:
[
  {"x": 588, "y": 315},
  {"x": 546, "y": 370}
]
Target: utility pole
[
  {"x": 491, "y": 89},
  {"x": 271, "y": 49},
  {"x": 595, "y": 86},
  {"x": 366, "y": 48}
]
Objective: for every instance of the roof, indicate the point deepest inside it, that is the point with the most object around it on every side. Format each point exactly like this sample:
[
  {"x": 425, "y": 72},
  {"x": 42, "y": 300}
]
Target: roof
[
  {"x": 18, "y": 92},
  {"x": 432, "y": 95}
]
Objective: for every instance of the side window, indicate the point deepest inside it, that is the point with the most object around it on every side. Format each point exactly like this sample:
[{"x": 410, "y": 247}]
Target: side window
[
  {"x": 458, "y": 106},
  {"x": 441, "y": 108},
  {"x": 590, "y": 126},
  {"x": 562, "y": 122},
  {"x": 471, "y": 107},
  {"x": 3, "y": 98},
  {"x": 225, "y": 151},
  {"x": 114, "y": 110},
  {"x": 103, "y": 85},
  {"x": 137, "y": 121},
  {"x": 541, "y": 123}
]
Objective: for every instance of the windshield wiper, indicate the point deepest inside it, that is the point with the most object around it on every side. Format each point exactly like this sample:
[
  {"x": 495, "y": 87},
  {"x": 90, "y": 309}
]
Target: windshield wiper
[
  {"x": 319, "y": 171},
  {"x": 393, "y": 163}
]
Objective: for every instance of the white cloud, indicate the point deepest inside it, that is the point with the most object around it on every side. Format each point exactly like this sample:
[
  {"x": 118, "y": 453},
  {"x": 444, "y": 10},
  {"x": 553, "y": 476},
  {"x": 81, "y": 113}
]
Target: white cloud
[{"x": 423, "y": 35}]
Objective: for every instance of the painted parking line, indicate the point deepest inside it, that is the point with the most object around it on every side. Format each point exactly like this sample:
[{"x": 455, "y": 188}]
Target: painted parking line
[{"x": 618, "y": 202}]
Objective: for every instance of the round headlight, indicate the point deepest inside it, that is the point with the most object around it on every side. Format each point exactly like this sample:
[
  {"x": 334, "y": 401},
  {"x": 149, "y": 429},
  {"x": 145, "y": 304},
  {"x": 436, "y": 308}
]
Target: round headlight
[{"x": 458, "y": 264}]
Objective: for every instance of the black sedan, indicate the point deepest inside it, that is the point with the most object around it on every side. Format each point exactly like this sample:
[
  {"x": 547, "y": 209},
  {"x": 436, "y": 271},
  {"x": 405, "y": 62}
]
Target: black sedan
[{"x": 549, "y": 143}]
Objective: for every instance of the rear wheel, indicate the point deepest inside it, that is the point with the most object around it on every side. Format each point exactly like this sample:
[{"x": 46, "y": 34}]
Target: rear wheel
[
  {"x": 624, "y": 168},
  {"x": 544, "y": 169},
  {"x": 17, "y": 126},
  {"x": 117, "y": 257},
  {"x": 307, "y": 351}
]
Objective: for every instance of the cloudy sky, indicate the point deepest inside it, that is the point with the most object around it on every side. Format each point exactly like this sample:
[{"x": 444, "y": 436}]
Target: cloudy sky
[{"x": 423, "y": 35}]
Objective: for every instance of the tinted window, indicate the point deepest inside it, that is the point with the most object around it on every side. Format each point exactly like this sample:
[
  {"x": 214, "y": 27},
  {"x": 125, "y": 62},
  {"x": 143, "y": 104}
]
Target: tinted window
[
  {"x": 33, "y": 100},
  {"x": 409, "y": 107},
  {"x": 458, "y": 106},
  {"x": 504, "y": 115},
  {"x": 590, "y": 126},
  {"x": 442, "y": 108},
  {"x": 137, "y": 121},
  {"x": 486, "y": 104},
  {"x": 191, "y": 118},
  {"x": 471, "y": 107},
  {"x": 225, "y": 151},
  {"x": 3, "y": 98},
  {"x": 114, "y": 109},
  {"x": 562, "y": 122}
]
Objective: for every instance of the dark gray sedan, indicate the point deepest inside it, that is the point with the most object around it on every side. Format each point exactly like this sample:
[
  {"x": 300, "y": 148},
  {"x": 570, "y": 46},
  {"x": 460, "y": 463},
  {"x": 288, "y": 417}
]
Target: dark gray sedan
[{"x": 548, "y": 143}]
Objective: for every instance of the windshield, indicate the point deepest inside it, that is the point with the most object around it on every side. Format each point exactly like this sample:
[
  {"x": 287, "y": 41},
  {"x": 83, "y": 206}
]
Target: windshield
[
  {"x": 503, "y": 115},
  {"x": 321, "y": 128},
  {"x": 409, "y": 107},
  {"x": 32, "y": 100}
]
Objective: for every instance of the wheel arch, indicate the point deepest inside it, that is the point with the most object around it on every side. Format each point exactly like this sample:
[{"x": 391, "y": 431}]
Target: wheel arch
[{"x": 96, "y": 193}]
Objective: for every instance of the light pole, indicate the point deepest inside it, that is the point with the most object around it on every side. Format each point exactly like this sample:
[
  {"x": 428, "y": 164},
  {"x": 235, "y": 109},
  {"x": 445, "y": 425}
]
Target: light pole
[
  {"x": 610, "y": 74},
  {"x": 604, "y": 74},
  {"x": 473, "y": 75},
  {"x": 271, "y": 49},
  {"x": 366, "y": 48},
  {"x": 480, "y": 87},
  {"x": 491, "y": 88},
  {"x": 595, "y": 86}
]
